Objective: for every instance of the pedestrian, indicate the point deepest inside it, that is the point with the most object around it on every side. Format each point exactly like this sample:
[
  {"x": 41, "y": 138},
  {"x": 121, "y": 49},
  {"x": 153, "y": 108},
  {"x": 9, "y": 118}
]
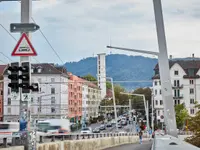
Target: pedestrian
[
  {"x": 140, "y": 136},
  {"x": 150, "y": 133}
]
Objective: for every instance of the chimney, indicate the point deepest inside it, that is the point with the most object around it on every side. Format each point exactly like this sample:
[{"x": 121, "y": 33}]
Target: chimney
[
  {"x": 192, "y": 55},
  {"x": 170, "y": 56}
]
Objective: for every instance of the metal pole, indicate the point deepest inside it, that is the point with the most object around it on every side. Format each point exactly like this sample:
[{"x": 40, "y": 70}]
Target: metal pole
[
  {"x": 145, "y": 107},
  {"x": 115, "y": 110},
  {"x": 147, "y": 115},
  {"x": 26, "y": 13},
  {"x": 163, "y": 61},
  {"x": 152, "y": 114}
]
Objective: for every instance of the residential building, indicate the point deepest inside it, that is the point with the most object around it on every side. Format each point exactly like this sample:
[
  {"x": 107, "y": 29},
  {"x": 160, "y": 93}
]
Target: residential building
[
  {"x": 185, "y": 79},
  {"x": 101, "y": 73},
  {"x": 85, "y": 108},
  {"x": 52, "y": 99},
  {"x": 94, "y": 99},
  {"x": 2, "y": 69},
  {"x": 75, "y": 98}
]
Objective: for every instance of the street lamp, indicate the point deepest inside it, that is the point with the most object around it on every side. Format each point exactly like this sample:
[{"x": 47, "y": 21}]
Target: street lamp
[
  {"x": 114, "y": 102},
  {"x": 163, "y": 67},
  {"x": 145, "y": 105}
]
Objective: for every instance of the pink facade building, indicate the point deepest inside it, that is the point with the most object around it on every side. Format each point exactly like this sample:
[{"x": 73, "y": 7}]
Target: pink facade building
[{"x": 74, "y": 98}]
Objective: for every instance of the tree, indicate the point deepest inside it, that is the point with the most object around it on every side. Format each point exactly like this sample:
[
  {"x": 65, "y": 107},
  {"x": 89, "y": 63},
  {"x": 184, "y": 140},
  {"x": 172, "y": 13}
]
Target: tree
[
  {"x": 89, "y": 77},
  {"x": 193, "y": 125},
  {"x": 108, "y": 85},
  {"x": 181, "y": 115}
]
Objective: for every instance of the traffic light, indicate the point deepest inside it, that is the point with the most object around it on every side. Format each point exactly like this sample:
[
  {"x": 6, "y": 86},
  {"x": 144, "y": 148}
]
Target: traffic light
[
  {"x": 14, "y": 77},
  {"x": 25, "y": 77}
]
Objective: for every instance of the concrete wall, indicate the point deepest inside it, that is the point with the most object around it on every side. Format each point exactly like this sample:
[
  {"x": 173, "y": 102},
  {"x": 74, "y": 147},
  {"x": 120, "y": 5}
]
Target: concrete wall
[
  {"x": 14, "y": 148},
  {"x": 89, "y": 144}
]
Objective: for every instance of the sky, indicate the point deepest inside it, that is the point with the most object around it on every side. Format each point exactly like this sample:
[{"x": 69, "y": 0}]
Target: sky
[{"x": 77, "y": 29}]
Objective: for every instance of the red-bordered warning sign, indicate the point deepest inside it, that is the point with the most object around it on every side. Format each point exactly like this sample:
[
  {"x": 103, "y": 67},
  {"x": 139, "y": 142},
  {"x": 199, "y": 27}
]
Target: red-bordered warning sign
[{"x": 24, "y": 47}]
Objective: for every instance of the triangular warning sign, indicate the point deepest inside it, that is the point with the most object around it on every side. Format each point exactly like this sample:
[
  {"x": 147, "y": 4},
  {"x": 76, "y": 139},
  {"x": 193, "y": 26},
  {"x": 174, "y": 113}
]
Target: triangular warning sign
[{"x": 24, "y": 47}]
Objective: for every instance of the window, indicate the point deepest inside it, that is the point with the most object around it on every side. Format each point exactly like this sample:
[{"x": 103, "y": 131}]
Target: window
[
  {"x": 8, "y": 91},
  {"x": 176, "y": 102},
  {"x": 156, "y": 102},
  {"x": 155, "y": 92},
  {"x": 191, "y": 91},
  {"x": 82, "y": 88},
  {"x": 71, "y": 86},
  {"x": 191, "y": 111},
  {"x": 176, "y": 72},
  {"x": 191, "y": 101},
  {"x": 191, "y": 72},
  {"x": 174, "y": 93},
  {"x": 160, "y": 92},
  {"x": 161, "y": 102},
  {"x": 32, "y": 70},
  {"x": 158, "y": 112},
  {"x": 52, "y": 109},
  {"x": 52, "y": 90},
  {"x": 174, "y": 82},
  {"x": 9, "y": 110},
  {"x": 53, "y": 100},
  {"x": 160, "y": 82},
  {"x": 155, "y": 83},
  {"x": 31, "y": 99},
  {"x": 38, "y": 100},
  {"x": 9, "y": 101},
  {"x": 52, "y": 79},
  {"x": 191, "y": 81},
  {"x": 39, "y": 70}
]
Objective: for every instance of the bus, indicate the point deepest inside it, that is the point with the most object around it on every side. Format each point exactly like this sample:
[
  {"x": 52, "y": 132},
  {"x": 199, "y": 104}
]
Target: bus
[
  {"x": 54, "y": 126},
  {"x": 9, "y": 129}
]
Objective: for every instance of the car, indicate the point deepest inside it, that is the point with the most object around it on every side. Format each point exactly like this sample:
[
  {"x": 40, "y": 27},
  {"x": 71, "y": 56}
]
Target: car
[
  {"x": 119, "y": 125},
  {"x": 102, "y": 127},
  {"x": 124, "y": 123},
  {"x": 96, "y": 130},
  {"x": 109, "y": 125},
  {"x": 86, "y": 130}
]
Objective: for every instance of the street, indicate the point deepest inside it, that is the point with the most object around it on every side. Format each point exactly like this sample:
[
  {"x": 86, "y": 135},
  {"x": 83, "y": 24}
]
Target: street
[{"x": 144, "y": 146}]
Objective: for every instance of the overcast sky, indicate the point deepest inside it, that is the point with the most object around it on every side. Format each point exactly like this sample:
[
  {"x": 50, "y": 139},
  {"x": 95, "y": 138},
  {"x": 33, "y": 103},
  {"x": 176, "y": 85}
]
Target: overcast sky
[{"x": 82, "y": 28}]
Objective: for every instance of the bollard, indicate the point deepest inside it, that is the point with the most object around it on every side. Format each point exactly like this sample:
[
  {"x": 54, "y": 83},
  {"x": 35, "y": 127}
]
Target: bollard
[
  {"x": 13, "y": 141},
  {"x": 77, "y": 136},
  {"x": 107, "y": 134},
  {"x": 97, "y": 135},
  {"x": 104, "y": 135},
  {"x": 53, "y": 138},
  {"x": 63, "y": 138},
  {"x": 92, "y": 135},
  {"x": 88, "y": 136},
  {"x": 83, "y": 136},
  {"x": 5, "y": 144},
  {"x": 100, "y": 135},
  {"x": 41, "y": 139}
]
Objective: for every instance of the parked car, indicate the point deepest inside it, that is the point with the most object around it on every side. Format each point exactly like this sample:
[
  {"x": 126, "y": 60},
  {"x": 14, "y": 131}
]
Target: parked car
[
  {"x": 96, "y": 130},
  {"x": 119, "y": 125},
  {"x": 124, "y": 123},
  {"x": 109, "y": 125},
  {"x": 86, "y": 130},
  {"x": 102, "y": 127}
]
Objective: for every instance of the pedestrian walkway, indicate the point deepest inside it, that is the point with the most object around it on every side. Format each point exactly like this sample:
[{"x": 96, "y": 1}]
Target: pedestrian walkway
[{"x": 144, "y": 146}]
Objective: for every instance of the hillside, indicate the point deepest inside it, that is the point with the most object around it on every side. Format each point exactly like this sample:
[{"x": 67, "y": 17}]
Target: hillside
[{"x": 120, "y": 67}]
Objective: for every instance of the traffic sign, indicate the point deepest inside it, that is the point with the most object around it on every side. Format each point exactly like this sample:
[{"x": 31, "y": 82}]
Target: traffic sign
[
  {"x": 26, "y": 97},
  {"x": 24, "y": 27},
  {"x": 24, "y": 47},
  {"x": 162, "y": 117}
]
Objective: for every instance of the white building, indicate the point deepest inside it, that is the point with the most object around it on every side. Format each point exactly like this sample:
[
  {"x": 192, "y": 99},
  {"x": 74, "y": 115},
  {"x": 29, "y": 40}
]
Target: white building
[
  {"x": 185, "y": 79},
  {"x": 85, "y": 108},
  {"x": 101, "y": 73},
  {"x": 52, "y": 99}
]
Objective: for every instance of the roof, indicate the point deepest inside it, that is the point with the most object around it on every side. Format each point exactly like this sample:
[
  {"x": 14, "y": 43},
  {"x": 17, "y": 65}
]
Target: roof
[
  {"x": 185, "y": 65},
  {"x": 2, "y": 68},
  {"x": 47, "y": 68}
]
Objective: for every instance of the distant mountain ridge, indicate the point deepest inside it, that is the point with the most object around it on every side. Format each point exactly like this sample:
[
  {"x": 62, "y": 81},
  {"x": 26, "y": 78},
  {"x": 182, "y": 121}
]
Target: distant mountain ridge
[{"x": 119, "y": 67}]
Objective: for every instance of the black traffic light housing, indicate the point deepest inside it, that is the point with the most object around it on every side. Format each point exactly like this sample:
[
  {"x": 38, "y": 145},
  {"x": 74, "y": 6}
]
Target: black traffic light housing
[
  {"x": 25, "y": 77},
  {"x": 13, "y": 75},
  {"x": 34, "y": 87}
]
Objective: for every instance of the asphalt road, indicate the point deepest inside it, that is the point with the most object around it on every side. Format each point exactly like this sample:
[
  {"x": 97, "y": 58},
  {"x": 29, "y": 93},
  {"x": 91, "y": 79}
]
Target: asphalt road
[{"x": 143, "y": 146}]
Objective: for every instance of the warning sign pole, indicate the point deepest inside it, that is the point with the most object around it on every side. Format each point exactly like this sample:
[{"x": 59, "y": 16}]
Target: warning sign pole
[{"x": 26, "y": 13}]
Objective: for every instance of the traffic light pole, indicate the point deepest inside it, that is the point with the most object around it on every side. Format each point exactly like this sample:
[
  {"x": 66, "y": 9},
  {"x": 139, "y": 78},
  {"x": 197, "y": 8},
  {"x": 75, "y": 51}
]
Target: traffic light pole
[{"x": 26, "y": 12}]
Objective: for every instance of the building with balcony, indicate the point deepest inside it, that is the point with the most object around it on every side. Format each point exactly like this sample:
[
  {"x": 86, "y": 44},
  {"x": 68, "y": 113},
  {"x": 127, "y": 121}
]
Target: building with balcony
[
  {"x": 75, "y": 98},
  {"x": 2, "y": 69},
  {"x": 185, "y": 79},
  {"x": 94, "y": 99},
  {"x": 50, "y": 102}
]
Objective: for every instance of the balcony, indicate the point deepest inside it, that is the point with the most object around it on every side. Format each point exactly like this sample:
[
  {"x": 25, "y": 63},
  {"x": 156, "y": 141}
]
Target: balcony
[
  {"x": 191, "y": 77},
  {"x": 177, "y": 87},
  {"x": 178, "y": 96}
]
